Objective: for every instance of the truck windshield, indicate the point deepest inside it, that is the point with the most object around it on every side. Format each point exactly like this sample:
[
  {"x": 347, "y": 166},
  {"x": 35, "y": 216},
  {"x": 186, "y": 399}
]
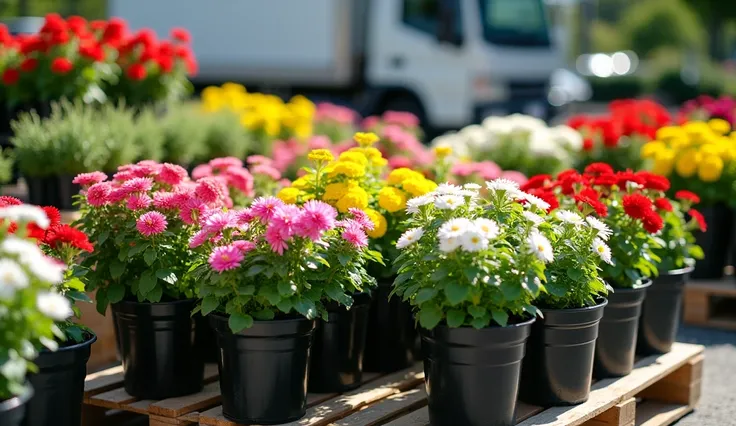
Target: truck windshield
[{"x": 514, "y": 22}]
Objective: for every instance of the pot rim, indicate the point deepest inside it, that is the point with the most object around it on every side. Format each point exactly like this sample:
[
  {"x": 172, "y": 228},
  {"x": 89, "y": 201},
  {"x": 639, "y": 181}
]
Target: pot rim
[
  {"x": 225, "y": 317},
  {"x": 76, "y": 346},
  {"x": 603, "y": 301},
  {"x": 681, "y": 271},
  {"x": 508, "y": 326},
  {"x": 173, "y": 302},
  {"x": 16, "y": 401}
]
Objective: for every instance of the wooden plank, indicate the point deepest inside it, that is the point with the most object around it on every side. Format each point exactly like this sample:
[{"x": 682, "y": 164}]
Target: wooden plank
[
  {"x": 175, "y": 407},
  {"x": 680, "y": 387},
  {"x": 391, "y": 407},
  {"x": 168, "y": 421},
  {"x": 115, "y": 398},
  {"x": 524, "y": 411},
  {"x": 621, "y": 414},
  {"x": 659, "y": 414},
  {"x": 609, "y": 392},
  {"x": 103, "y": 381},
  {"x": 711, "y": 287},
  {"x": 419, "y": 417}
]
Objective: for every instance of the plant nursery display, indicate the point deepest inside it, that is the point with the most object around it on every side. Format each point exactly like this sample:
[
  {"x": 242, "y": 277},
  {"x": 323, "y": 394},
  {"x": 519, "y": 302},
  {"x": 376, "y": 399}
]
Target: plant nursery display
[
  {"x": 704, "y": 107},
  {"x": 266, "y": 273}
]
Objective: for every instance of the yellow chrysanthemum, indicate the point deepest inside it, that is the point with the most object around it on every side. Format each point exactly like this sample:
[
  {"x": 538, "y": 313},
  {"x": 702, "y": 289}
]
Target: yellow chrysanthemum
[
  {"x": 320, "y": 155},
  {"x": 303, "y": 182},
  {"x": 442, "y": 151},
  {"x": 650, "y": 149},
  {"x": 710, "y": 168},
  {"x": 234, "y": 87},
  {"x": 272, "y": 127},
  {"x": 289, "y": 195},
  {"x": 348, "y": 169},
  {"x": 379, "y": 224},
  {"x": 418, "y": 186},
  {"x": 391, "y": 199},
  {"x": 366, "y": 139},
  {"x": 697, "y": 128},
  {"x": 687, "y": 163},
  {"x": 399, "y": 175},
  {"x": 356, "y": 197},
  {"x": 354, "y": 157},
  {"x": 251, "y": 121},
  {"x": 379, "y": 162},
  {"x": 335, "y": 191},
  {"x": 719, "y": 126},
  {"x": 664, "y": 162},
  {"x": 670, "y": 132}
]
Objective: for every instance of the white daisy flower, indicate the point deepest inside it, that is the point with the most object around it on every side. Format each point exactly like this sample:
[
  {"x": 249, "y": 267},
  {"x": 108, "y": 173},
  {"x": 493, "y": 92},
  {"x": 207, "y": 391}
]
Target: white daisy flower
[
  {"x": 454, "y": 228},
  {"x": 472, "y": 186},
  {"x": 473, "y": 240},
  {"x": 12, "y": 278},
  {"x": 502, "y": 184},
  {"x": 409, "y": 237},
  {"x": 604, "y": 232},
  {"x": 25, "y": 214},
  {"x": 532, "y": 217},
  {"x": 449, "y": 244},
  {"x": 20, "y": 247},
  {"x": 54, "y": 306},
  {"x": 540, "y": 246},
  {"x": 412, "y": 205},
  {"x": 448, "y": 189},
  {"x": 449, "y": 202},
  {"x": 569, "y": 217},
  {"x": 487, "y": 227},
  {"x": 534, "y": 200},
  {"x": 600, "y": 248}
]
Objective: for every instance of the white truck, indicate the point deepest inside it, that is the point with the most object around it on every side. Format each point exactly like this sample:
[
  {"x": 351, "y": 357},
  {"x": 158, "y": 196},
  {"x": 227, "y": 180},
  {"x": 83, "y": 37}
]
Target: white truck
[{"x": 451, "y": 62}]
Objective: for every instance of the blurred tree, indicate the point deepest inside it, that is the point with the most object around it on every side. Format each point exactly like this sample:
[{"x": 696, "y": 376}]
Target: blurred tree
[
  {"x": 716, "y": 14},
  {"x": 91, "y": 9},
  {"x": 608, "y": 38},
  {"x": 653, "y": 24}
]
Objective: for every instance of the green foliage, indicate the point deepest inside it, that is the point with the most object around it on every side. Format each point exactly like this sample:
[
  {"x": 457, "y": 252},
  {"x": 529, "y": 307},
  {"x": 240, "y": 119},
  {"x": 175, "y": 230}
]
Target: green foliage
[
  {"x": 149, "y": 135},
  {"x": 607, "y": 38},
  {"x": 677, "y": 247},
  {"x": 225, "y": 136},
  {"x": 6, "y": 165},
  {"x": 185, "y": 131},
  {"x": 611, "y": 88},
  {"x": 654, "y": 24}
]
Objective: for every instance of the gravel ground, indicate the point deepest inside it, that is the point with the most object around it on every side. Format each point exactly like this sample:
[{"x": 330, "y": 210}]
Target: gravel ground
[{"x": 718, "y": 401}]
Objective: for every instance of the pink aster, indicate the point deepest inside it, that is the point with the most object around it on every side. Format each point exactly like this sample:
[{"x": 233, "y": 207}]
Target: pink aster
[
  {"x": 151, "y": 223},
  {"x": 145, "y": 168},
  {"x": 264, "y": 208},
  {"x": 225, "y": 162},
  {"x": 258, "y": 159},
  {"x": 171, "y": 174},
  {"x": 315, "y": 218},
  {"x": 117, "y": 195},
  {"x": 355, "y": 236},
  {"x": 240, "y": 179},
  {"x": 138, "y": 184},
  {"x": 203, "y": 170},
  {"x": 244, "y": 246},
  {"x": 123, "y": 176},
  {"x": 138, "y": 201},
  {"x": 165, "y": 200},
  {"x": 218, "y": 221},
  {"x": 225, "y": 258},
  {"x": 199, "y": 238},
  {"x": 362, "y": 218},
  {"x": 86, "y": 179},
  {"x": 191, "y": 210},
  {"x": 267, "y": 171},
  {"x": 515, "y": 176},
  {"x": 244, "y": 217},
  {"x": 209, "y": 189},
  {"x": 99, "y": 194},
  {"x": 285, "y": 219},
  {"x": 276, "y": 240}
]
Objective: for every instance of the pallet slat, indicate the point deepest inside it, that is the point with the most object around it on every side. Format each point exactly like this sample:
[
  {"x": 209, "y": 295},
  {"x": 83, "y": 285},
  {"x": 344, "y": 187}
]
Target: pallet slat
[
  {"x": 701, "y": 307},
  {"x": 658, "y": 414},
  {"x": 389, "y": 408}
]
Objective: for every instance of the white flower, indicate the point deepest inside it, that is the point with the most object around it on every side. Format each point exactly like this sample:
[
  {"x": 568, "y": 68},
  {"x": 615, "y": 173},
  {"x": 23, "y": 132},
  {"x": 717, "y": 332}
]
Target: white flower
[
  {"x": 567, "y": 137},
  {"x": 12, "y": 278},
  {"x": 448, "y": 189},
  {"x": 47, "y": 269},
  {"x": 502, "y": 184},
  {"x": 534, "y": 201},
  {"x": 604, "y": 232},
  {"x": 488, "y": 228},
  {"x": 449, "y": 202},
  {"x": 472, "y": 186},
  {"x": 454, "y": 228},
  {"x": 532, "y": 217},
  {"x": 448, "y": 244},
  {"x": 476, "y": 137},
  {"x": 20, "y": 247},
  {"x": 473, "y": 240},
  {"x": 54, "y": 306},
  {"x": 409, "y": 237},
  {"x": 25, "y": 214},
  {"x": 569, "y": 217},
  {"x": 540, "y": 246},
  {"x": 412, "y": 206},
  {"x": 600, "y": 248}
]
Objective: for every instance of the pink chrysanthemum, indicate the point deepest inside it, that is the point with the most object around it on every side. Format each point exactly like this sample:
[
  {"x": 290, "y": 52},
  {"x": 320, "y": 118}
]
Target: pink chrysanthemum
[
  {"x": 254, "y": 160},
  {"x": 225, "y": 162},
  {"x": 117, "y": 195},
  {"x": 165, "y": 200},
  {"x": 209, "y": 189},
  {"x": 199, "y": 238},
  {"x": 285, "y": 219},
  {"x": 191, "y": 211},
  {"x": 151, "y": 223},
  {"x": 315, "y": 218},
  {"x": 219, "y": 220},
  {"x": 264, "y": 207},
  {"x": 244, "y": 217},
  {"x": 138, "y": 184},
  {"x": 201, "y": 171},
  {"x": 244, "y": 246},
  {"x": 225, "y": 258},
  {"x": 171, "y": 174},
  {"x": 138, "y": 201},
  {"x": 99, "y": 194},
  {"x": 266, "y": 170},
  {"x": 123, "y": 176},
  {"x": 276, "y": 240},
  {"x": 355, "y": 236},
  {"x": 240, "y": 179},
  {"x": 87, "y": 179},
  {"x": 362, "y": 218},
  {"x": 145, "y": 168}
]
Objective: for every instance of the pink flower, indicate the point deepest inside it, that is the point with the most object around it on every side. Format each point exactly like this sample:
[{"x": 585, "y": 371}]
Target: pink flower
[
  {"x": 319, "y": 142},
  {"x": 117, "y": 195},
  {"x": 276, "y": 240},
  {"x": 284, "y": 154},
  {"x": 284, "y": 183},
  {"x": 191, "y": 210},
  {"x": 171, "y": 174},
  {"x": 488, "y": 170},
  {"x": 267, "y": 171},
  {"x": 244, "y": 246},
  {"x": 225, "y": 258},
  {"x": 138, "y": 201},
  {"x": 151, "y": 223},
  {"x": 397, "y": 162},
  {"x": 362, "y": 218},
  {"x": 145, "y": 168},
  {"x": 264, "y": 208},
  {"x": 240, "y": 179},
  {"x": 123, "y": 176},
  {"x": 218, "y": 221},
  {"x": 209, "y": 189},
  {"x": 86, "y": 179},
  {"x": 370, "y": 122},
  {"x": 203, "y": 170},
  {"x": 355, "y": 236},
  {"x": 285, "y": 218},
  {"x": 165, "y": 200},
  {"x": 515, "y": 176},
  {"x": 244, "y": 217},
  {"x": 199, "y": 238},
  {"x": 225, "y": 162},
  {"x": 463, "y": 169},
  {"x": 99, "y": 194},
  {"x": 401, "y": 118},
  {"x": 315, "y": 218},
  {"x": 254, "y": 160},
  {"x": 138, "y": 184}
]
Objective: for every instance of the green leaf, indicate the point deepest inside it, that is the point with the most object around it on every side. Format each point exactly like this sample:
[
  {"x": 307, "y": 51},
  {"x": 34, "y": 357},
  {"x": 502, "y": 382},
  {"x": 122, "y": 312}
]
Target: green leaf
[
  {"x": 477, "y": 311},
  {"x": 471, "y": 273},
  {"x": 555, "y": 289},
  {"x": 285, "y": 305},
  {"x": 402, "y": 278},
  {"x": 306, "y": 307},
  {"x": 264, "y": 315},
  {"x": 104, "y": 235},
  {"x": 286, "y": 288},
  {"x": 575, "y": 274},
  {"x": 455, "y": 318},
  {"x": 272, "y": 296},
  {"x": 441, "y": 273},
  {"x": 239, "y": 322},
  {"x": 480, "y": 322},
  {"x": 343, "y": 258},
  {"x": 247, "y": 290},
  {"x": 430, "y": 316},
  {"x": 424, "y": 295},
  {"x": 150, "y": 256},
  {"x": 74, "y": 284},
  {"x": 456, "y": 292},
  {"x": 137, "y": 249},
  {"x": 209, "y": 304},
  {"x": 167, "y": 275},
  {"x": 147, "y": 282},
  {"x": 102, "y": 301},
  {"x": 78, "y": 296},
  {"x": 117, "y": 268},
  {"x": 115, "y": 292},
  {"x": 255, "y": 270},
  {"x": 501, "y": 317},
  {"x": 155, "y": 294}
]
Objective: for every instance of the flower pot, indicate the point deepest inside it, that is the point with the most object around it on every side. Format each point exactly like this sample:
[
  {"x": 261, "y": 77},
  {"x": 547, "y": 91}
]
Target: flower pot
[
  {"x": 206, "y": 340},
  {"x": 67, "y": 191},
  {"x": 660, "y": 314},
  {"x": 264, "y": 369},
  {"x": 157, "y": 344},
  {"x": 616, "y": 345},
  {"x": 392, "y": 334},
  {"x": 13, "y": 410},
  {"x": 336, "y": 364},
  {"x": 558, "y": 365},
  {"x": 43, "y": 191},
  {"x": 472, "y": 375},
  {"x": 715, "y": 242},
  {"x": 59, "y": 386}
]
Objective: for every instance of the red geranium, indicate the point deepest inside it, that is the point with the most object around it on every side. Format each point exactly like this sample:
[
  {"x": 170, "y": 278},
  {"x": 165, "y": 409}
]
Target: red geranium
[
  {"x": 652, "y": 222},
  {"x": 687, "y": 196},
  {"x": 61, "y": 66},
  {"x": 538, "y": 181},
  {"x": 699, "y": 219},
  {"x": 11, "y": 76},
  {"x": 663, "y": 204},
  {"x": 637, "y": 205},
  {"x": 60, "y": 235},
  {"x": 596, "y": 169}
]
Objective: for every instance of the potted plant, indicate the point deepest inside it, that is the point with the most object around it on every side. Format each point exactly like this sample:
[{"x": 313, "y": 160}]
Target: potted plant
[
  {"x": 558, "y": 364},
  {"x": 265, "y": 274},
  {"x": 660, "y": 316},
  {"x": 141, "y": 222},
  {"x": 184, "y": 135},
  {"x": 471, "y": 268},
  {"x": 31, "y": 304}
]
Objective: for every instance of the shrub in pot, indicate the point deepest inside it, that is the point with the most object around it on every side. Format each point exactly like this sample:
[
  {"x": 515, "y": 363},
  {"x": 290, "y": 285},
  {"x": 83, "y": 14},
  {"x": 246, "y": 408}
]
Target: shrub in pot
[
  {"x": 140, "y": 222},
  {"x": 30, "y": 303},
  {"x": 265, "y": 274},
  {"x": 6, "y": 166},
  {"x": 471, "y": 268},
  {"x": 185, "y": 130}
]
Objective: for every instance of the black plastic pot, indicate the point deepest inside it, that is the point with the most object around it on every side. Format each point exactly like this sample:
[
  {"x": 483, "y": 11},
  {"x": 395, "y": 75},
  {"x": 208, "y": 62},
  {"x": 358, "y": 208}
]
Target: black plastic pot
[
  {"x": 715, "y": 242},
  {"x": 558, "y": 365},
  {"x": 617, "y": 332},
  {"x": 206, "y": 340},
  {"x": 43, "y": 191},
  {"x": 392, "y": 335},
  {"x": 59, "y": 386},
  {"x": 67, "y": 191},
  {"x": 472, "y": 376},
  {"x": 336, "y": 364},
  {"x": 13, "y": 410},
  {"x": 264, "y": 369},
  {"x": 157, "y": 344},
  {"x": 660, "y": 314}
]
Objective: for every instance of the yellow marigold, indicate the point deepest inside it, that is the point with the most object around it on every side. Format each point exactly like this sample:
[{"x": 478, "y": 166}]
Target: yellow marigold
[
  {"x": 251, "y": 121},
  {"x": 379, "y": 223},
  {"x": 354, "y": 157},
  {"x": 366, "y": 139},
  {"x": 664, "y": 161},
  {"x": 650, "y": 149},
  {"x": 719, "y": 125},
  {"x": 272, "y": 127},
  {"x": 289, "y": 195},
  {"x": 356, "y": 197},
  {"x": 320, "y": 155},
  {"x": 335, "y": 191},
  {"x": 442, "y": 151},
  {"x": 687, "y": 163},
  {"x": 696, "y": 128},
  {"x": 303, "y": 182},
  {"x": 391, "y": 199},
  {"x": 379, "y": 162},
  {"x": 303, "y": 130},
  {"x": 401, "y": 174},
  {"x": 234, "y": 87},
  {"x": 670, "y": 132},
  {"x": 418, "y": 186},
  {"x": 348, "y": 169},
  {"x": 710, "y": 168}
]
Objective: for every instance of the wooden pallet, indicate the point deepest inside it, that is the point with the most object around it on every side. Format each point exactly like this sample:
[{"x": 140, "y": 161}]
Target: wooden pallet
[
  {"x": 711, "y": 304},
  {"x": 659, "y": 391}
]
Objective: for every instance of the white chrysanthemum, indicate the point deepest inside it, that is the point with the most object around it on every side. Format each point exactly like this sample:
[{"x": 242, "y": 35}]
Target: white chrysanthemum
[
  {"x": 20, "y": 247},
  {"x": 476, "y": 137},
  {"x": 567, "y": 137},
  {"x": 487, "y": 227},
  {"x": 472, "y": 186},
  {"x": 569, "y": 217},
  {"x": 25, "y": 214},
  {"x": 600, "y": 248},
  {"x": 521, "y": 123},
  {"x": 454, "y": 228},
  {"x": 497, "y": 125},
  {"x": 604, "y": 232},
  {"x": 412, "y": 206},
  {"x": 54, "y": 306},
  {"x": 12, "y": 278},
  {"x": 449, "y": 202},
  {"x": 534, "y": 201},
  {"x": 532, "y": 217},
  {"x": 46, "y": 269},
  {"x": 409, "y": 237},
  {"x": 540, "y": 246},
  {"x": 448, "y": 244},
  {"x": 473, "y": 240},
  {"x": 502, "y": 184},
  {"x": 448, "y": 189}
]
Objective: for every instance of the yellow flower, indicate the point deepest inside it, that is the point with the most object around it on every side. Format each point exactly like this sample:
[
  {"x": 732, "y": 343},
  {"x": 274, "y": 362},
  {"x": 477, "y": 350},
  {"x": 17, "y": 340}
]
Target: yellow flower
[
  {"x": 234, "y": 87},
  {"x": 335, "y": 191},
  {"x": 418, "y": 186},
  {"x": 251, "y": 121},
  {"x": 366, "y": 139},
  {"x": 272, "y": 127},
  {"x": 354, "y": 157},
  {"x": 379, "y": 223},
  {"x": 303, "y": 130},
  {"x": 356, "y": 197},
  {"x": 303, "y": 182},
  {"x": 664, "y": 161},
  {"x": 710, "y": 169},
  {"x": 399, "y": 175},
  {"x": 289, "y": 195},
  {"x": 442, "y": 151},
  {"x": 379, "y": 162},
  {"x": 697, "y": 129},
  {"x": 670, "y": 132},
  {"x": 348, "y": 169},
  {"x": 687, "y": 163},
  {"x": 391, "y": 199},
  {"x": 650, "y": 149},
  {"x": 320, "y": 155},
  {"x": 719, "y": 126}
]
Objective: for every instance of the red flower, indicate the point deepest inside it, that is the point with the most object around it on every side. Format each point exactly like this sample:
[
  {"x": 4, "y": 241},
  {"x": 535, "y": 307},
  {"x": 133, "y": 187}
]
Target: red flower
[
  {"x": 181, "y": 34},
  {"x": 663, "y": 204},
  {"x": 567, "y": 181},
  {"x": 53, "y": 214},
  {"x": 77, "y": 24},
  {"x": 538, "y": 181},
  {"x": 61, "y": 66},
  {"x": 114, "y": 31},
  {"x": 588, "y": 144},
  {"x": 698, "y": 218},
  {"x": 166, "y": 63},
  {"x": 595, "y": 169},
  {"x": 136, "y": 72},
  {"x": 656, "y": 182},
  {"x": 652, "y": 222},
  {"x": 687, "y": 196},
  {"x": 98, "y": 25},
  {"x": 59, "y": 37},
  {"x": 11, "y": 76},
  {"x": 596, "y": 205},
  {"x": 607, "y": 180},
  {"x": 65, "y": 234},
  {"x": 637, "y": 206},
  {"x": 9, "y": 201},
  {"x": 29, "y": 64},
  {"x": 93, "y": 52},
  {"x": 629, "y": 176}
]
